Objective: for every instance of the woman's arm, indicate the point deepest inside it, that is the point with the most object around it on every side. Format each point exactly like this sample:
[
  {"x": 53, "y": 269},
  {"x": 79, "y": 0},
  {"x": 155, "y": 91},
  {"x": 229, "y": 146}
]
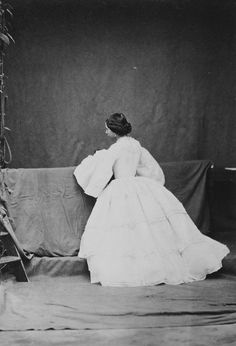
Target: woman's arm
[{"x": 149, "y": 167}]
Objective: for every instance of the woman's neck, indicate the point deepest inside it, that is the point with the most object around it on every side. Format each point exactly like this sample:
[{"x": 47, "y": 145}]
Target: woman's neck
[{"x": 124, "y": 137}]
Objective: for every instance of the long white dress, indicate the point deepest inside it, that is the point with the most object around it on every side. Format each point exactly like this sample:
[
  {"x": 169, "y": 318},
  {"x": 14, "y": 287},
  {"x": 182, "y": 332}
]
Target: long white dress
[{"x": 139, "y": 233}]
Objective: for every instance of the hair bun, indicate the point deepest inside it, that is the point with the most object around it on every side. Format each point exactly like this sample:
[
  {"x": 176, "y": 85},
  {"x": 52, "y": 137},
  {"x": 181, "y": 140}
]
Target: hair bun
[
  {"x": 127, "y": 128},
  {"x": 118, "y": 124}
]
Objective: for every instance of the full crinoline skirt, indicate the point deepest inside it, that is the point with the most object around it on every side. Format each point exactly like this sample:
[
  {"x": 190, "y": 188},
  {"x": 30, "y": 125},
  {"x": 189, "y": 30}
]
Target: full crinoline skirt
[{"x": 139, "y": 234}]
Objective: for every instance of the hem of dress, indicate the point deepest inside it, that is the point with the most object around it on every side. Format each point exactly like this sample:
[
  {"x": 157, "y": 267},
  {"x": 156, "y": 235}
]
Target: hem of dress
[{"x": 156, "y": 282}]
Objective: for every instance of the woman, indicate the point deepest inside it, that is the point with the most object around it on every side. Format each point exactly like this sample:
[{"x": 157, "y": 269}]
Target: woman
[{"x": 138, "y": 233}]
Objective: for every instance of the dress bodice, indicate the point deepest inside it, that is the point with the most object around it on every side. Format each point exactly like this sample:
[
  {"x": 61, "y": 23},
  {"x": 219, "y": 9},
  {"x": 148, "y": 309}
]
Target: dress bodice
[
  {"x": 124, "y": 159},
  {"x": 128, "y": 157}
]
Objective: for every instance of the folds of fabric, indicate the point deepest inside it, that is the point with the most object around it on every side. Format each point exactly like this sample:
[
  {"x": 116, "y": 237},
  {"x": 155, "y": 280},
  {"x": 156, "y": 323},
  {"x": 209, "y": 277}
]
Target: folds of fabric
[
  {"x": 140, "y": 234},
  {"x": 95, "y": 171}
]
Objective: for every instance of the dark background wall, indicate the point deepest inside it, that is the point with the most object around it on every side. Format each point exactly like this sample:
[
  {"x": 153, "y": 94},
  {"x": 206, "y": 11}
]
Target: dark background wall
[{"x": 169, "y": 65}]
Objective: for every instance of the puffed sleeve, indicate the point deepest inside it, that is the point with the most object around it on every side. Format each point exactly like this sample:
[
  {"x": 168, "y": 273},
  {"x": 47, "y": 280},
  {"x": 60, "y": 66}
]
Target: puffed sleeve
[
  {"x": 95, "y": 171},
  {"x": 149, "y": 167}
]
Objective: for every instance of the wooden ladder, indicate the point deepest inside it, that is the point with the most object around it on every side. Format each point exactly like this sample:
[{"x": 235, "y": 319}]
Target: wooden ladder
[{"x": 11, "y": 260}]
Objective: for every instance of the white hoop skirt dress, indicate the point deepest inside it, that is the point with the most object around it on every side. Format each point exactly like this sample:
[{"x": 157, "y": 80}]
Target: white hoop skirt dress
[{"x": 139, "y": 233}]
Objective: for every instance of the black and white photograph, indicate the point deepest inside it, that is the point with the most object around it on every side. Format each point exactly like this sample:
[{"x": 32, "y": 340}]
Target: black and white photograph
[{"x": 118, "y": 172}]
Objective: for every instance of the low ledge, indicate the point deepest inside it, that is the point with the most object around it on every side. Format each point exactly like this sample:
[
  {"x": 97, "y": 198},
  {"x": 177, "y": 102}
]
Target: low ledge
[{"x": 56, "y": 266}]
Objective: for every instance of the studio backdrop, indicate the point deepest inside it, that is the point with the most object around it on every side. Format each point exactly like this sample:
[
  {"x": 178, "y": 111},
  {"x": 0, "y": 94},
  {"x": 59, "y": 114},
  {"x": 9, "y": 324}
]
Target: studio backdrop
[{"x": 168, "y": 65}]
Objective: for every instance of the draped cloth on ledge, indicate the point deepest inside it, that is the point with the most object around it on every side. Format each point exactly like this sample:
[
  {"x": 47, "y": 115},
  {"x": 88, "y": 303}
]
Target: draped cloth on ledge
[{"x": 50, "y": 210}]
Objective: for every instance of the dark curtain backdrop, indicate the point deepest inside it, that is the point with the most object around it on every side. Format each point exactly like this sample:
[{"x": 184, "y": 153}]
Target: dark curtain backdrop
[{"x": 169, "y": 65}]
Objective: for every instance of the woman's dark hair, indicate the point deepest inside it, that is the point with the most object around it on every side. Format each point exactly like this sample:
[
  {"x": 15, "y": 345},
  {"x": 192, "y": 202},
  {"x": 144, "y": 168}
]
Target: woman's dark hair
[{"x": 118, "y": 124}]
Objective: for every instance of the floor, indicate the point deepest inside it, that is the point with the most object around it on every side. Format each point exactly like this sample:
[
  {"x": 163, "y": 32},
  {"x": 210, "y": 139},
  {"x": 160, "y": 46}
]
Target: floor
[{"x": 71, "y": 311}]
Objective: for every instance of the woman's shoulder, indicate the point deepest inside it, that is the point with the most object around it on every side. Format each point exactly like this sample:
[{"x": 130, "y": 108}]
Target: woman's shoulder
[
  {"x": 124, "y": 142},
  {"x": 127, "y": 140}
]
